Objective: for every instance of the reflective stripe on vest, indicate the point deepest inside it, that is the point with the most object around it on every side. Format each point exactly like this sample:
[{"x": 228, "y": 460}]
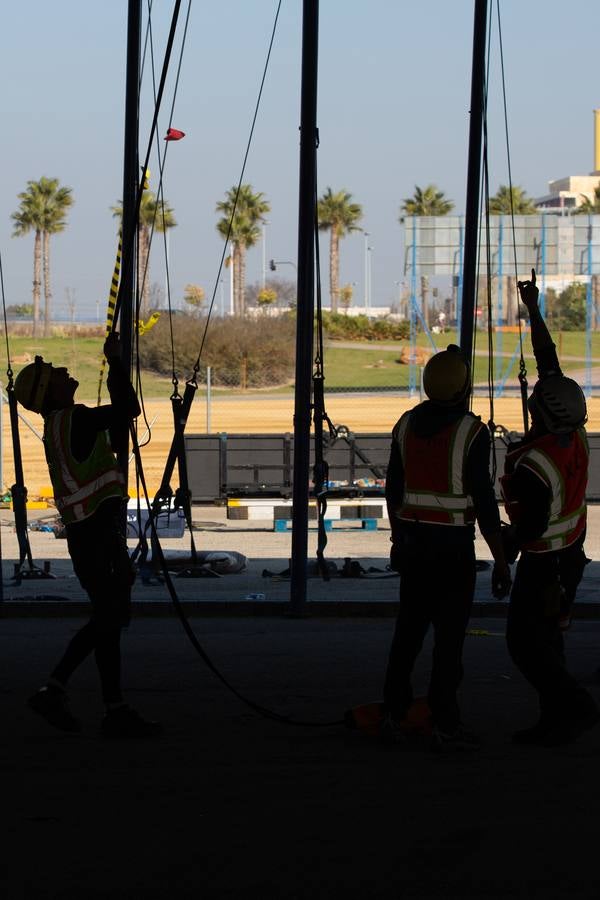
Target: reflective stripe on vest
[
  {"x": 79, "y": 486},
  {"x": 452, "y": 506},
  {"x": 547, "y": 459}
]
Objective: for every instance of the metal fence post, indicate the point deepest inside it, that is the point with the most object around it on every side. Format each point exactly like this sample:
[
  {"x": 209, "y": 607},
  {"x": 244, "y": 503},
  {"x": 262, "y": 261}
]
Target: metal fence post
[{"x": 208, "y": 399}]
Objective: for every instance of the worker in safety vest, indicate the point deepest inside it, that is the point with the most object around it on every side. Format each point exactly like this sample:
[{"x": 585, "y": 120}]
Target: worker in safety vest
[
  {"x": 544, "y": 490},
  {"x": 89, "y": 491},
  {"x": 438, "y": 485}
]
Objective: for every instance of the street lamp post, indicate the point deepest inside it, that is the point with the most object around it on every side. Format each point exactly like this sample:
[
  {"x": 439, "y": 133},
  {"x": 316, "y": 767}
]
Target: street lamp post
[
  {"x": 369, "y": 281},
  {"x": 264, "y": 253},
  {"x": 399, "y": 285},
  {"x": 273, "y": 263},
  {"x": 366, "y": 237}
]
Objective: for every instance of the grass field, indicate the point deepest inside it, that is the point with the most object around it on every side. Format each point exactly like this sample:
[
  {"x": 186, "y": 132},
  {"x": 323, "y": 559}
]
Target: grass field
[
  {"x": 259, "y": 412},
  {"x": 347, "y": 366}
]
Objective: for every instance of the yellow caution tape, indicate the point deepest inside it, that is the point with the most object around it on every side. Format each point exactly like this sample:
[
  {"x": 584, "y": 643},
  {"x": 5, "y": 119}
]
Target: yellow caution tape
[{"x": 110, "y": 310}]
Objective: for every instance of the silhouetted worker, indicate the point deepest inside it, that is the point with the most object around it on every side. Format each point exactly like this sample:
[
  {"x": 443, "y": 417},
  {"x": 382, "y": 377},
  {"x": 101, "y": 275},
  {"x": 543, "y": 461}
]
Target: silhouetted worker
[
  {"x": 89, "y": 491},
  {"x": 438, "y": 484},
  {"x": 544, "y": 488}
]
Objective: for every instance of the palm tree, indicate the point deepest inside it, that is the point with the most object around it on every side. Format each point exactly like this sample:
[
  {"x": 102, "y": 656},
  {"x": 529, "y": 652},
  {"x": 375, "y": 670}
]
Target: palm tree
[
  {"x": 428, "y": 201},
  {"x": 511, "y": 200},
  {"x": 337, "y": 213},
  {"x": 243, "y": 213},
  {"x": 588, "y": 206},
  {"x": 42, "y": 209},
  {"x": 154, "y": 215}
]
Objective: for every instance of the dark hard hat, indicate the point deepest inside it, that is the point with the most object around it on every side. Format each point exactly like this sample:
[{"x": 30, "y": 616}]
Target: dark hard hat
[
  {"x": 446, "y": 377},
  {"x": 560, "y": 403},
  {"x": 31, "y": 384}
]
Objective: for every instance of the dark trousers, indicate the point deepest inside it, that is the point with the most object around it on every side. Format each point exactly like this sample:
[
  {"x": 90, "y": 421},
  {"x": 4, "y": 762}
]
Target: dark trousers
[
  {"x": 98, "y": 549},
  {"x": 544, "y": 583},
  {"x": 436, "y": 588}
]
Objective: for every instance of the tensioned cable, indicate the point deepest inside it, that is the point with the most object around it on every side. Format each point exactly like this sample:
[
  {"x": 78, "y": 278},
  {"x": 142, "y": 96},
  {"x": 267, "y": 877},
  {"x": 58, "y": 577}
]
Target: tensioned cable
[
  {"x": 264, "y": 711},
  {"x": 129, "y": 246},
  {"x": 482, "y": 202},
  {"x": 192, "y": 380},
  {"x": 257, "y": 707},
  {"x": 522, "y": 367},
  {"x": 239, "y": 185},
  {"x": 486, "y": 196},
  {"x": 490, "y": 340},
  {"x": 9, "y": 371},
  {"x": 160, "y": 203}
]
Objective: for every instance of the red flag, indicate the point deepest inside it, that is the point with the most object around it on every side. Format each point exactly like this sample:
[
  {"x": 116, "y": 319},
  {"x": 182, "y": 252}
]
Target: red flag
[{"x": 173, "y": 134}]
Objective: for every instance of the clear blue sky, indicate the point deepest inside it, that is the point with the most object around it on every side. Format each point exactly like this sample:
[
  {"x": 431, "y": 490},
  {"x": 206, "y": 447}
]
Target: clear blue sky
[{"x": 393, "y": 113}]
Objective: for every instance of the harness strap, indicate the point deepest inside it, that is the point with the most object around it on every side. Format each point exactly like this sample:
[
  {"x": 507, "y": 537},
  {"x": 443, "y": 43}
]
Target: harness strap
[
  {"x": 321, "y": 469},
  {"x": 18, "y": 490},
  {"x": 183, "y": 496}
]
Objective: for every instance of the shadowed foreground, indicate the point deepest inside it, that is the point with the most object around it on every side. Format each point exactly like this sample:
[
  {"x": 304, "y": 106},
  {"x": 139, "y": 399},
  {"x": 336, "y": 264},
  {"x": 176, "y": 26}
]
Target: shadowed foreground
[{"x": 227, "y": 804}]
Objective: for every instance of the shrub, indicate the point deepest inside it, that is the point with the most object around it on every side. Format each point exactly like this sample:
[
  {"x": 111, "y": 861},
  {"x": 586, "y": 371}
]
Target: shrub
[
  {"x": 241, "y": 352},
  {"x": 339, "y": 326}
]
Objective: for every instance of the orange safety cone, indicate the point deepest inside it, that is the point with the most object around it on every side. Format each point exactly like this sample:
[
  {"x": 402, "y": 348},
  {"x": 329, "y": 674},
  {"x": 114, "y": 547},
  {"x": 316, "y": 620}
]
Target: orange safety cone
[{"x": 368, "y": 718}]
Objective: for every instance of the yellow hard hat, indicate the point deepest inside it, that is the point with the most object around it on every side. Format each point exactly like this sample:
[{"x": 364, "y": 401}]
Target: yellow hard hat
[
  {"x": 31, "y": 384},
  {"x": 446, "y": 377}
]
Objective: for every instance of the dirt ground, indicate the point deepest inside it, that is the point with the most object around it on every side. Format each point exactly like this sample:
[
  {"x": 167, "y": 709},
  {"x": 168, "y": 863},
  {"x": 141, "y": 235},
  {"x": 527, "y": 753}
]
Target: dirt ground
[{"x": 253, "y": 414}]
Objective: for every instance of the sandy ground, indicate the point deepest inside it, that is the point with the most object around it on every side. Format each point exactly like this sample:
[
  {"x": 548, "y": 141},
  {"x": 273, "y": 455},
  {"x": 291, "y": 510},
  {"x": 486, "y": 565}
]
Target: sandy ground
[{"x": 254, "y": 414}]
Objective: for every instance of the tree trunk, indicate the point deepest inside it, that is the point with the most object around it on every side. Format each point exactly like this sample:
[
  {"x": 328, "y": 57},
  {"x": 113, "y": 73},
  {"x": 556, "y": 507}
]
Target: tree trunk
[
  {"x": 47, "y": 287},
  {"x": 242, "y": 280},
  {"x": 425, "y": 300},
  {"x": 236, "y": 280},
  {"x": 37, "y": 281},
  {"x": 334, "y": 268},
  {"x": 143, "y": 260}
]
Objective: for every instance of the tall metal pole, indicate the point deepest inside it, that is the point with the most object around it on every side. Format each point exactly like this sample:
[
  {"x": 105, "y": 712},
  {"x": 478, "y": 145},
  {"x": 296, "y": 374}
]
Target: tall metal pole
[
  {"x": 473, "y": 178},
  {"x": 130, "y": 189},
  {"x": 306, "y": 304}
]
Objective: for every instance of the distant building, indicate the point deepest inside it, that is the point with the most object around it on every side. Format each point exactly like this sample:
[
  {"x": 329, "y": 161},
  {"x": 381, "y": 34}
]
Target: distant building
[{"x": 566, "y": 194}]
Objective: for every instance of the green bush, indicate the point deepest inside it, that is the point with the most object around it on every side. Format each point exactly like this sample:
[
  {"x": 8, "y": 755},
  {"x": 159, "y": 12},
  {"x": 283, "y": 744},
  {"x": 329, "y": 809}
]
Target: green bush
[
  {"x": 339, "y": 326},
  {"x": 569, "y": 312},
  {"x": 252, "y": 353}
]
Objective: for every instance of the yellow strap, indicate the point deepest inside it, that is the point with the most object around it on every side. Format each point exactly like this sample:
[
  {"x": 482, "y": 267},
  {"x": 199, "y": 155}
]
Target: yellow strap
[{"x": 110, "y": 310}]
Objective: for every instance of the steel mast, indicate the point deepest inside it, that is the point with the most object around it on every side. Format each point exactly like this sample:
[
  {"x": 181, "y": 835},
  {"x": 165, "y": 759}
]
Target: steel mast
[
  {"x": 306, "y": 304},
  {"x": 473, "y": 179}
]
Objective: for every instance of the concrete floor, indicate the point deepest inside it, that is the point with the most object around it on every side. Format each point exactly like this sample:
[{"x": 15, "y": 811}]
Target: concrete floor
[
  {"x": 264, "y": 550},
  {"x": 228, "y": 804}
]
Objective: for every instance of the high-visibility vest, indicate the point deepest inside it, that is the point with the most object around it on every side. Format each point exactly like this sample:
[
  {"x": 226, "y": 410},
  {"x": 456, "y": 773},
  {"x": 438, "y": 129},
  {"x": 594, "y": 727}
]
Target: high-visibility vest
[
  {"x": 563, "y": 468},
  {"x": 79, "y": 487},
  {"x": 435, "y": 489}
]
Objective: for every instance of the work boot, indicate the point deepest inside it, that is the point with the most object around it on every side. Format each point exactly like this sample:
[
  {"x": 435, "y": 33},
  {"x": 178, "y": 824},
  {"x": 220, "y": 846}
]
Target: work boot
[
  {"x": 125, "y": 722},
  {"x": 451, "y": 741},
  {"x": 534, "y": 735},
  {"x": 566, "y": 731},
  {"x": 52, "y": 704}
]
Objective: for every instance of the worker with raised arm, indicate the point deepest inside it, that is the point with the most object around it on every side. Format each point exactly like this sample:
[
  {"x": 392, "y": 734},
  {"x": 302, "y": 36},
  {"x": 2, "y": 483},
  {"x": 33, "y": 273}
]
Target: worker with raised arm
[
  {"x": 544, "y": 489},
  {"x": 89, "y": 490},
  {"x": 438, "y": 485}
]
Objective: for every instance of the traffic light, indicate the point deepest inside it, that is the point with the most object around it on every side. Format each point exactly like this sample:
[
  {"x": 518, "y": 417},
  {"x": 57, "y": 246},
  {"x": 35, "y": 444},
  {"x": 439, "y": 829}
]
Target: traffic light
[{"x": 272, "y": 265}]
